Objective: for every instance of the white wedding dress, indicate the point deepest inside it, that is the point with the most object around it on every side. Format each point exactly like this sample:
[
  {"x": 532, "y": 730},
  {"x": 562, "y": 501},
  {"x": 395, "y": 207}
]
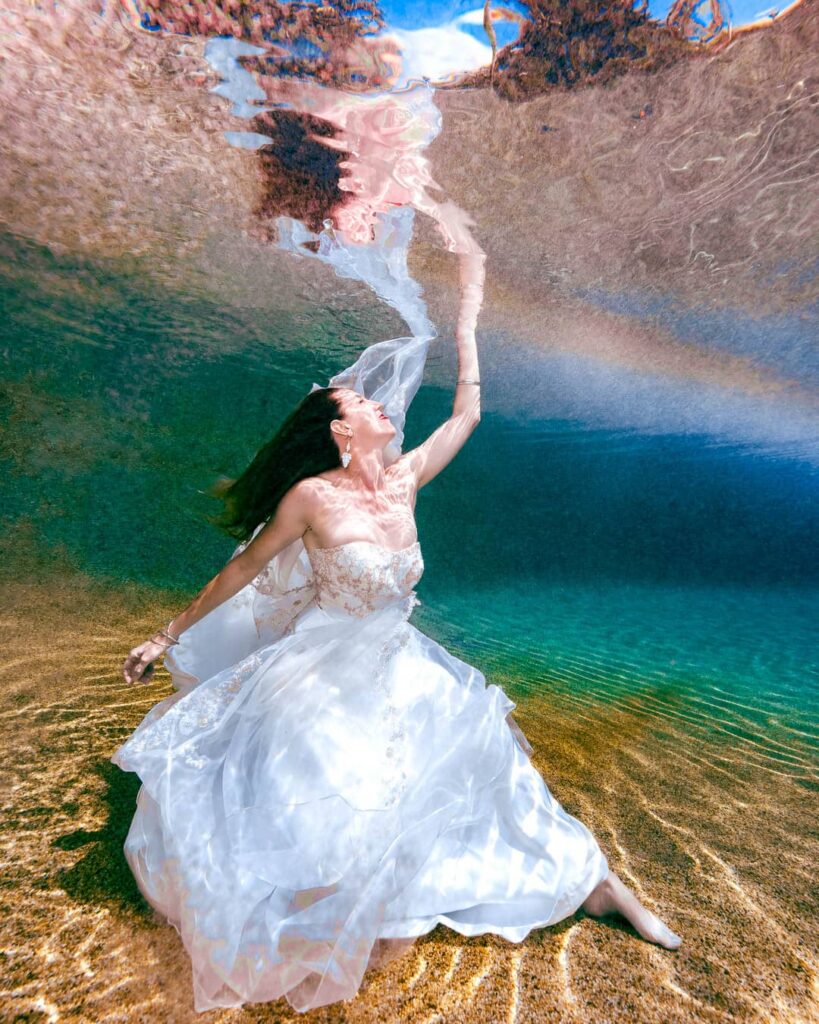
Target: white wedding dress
[{"x": 338, "y": 785}]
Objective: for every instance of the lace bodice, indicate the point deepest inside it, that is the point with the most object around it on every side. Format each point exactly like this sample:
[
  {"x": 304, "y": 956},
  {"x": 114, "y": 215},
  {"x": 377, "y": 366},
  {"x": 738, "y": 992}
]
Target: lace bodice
[{"x": 361, "y": 576}]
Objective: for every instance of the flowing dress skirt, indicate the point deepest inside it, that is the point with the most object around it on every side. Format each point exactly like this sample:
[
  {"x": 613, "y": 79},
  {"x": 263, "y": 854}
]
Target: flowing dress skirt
[{"x": 347, "y": 784}]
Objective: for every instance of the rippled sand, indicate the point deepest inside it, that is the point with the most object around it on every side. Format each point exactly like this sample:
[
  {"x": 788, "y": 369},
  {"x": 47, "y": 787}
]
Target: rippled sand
[{"x": 708, "y": 817}]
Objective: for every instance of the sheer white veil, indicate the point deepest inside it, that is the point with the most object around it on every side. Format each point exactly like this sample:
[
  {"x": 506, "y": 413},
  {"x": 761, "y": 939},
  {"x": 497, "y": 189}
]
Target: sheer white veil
[{"x": 389, "y": 371}]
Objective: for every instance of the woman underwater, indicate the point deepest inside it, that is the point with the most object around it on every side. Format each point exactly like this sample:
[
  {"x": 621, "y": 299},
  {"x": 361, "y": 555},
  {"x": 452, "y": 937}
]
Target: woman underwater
[{"x": 329, "y": 782}]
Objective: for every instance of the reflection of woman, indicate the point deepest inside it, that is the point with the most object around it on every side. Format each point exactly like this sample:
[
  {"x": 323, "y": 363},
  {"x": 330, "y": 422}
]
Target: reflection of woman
[
  {"x": 381, "y": 135},
  {"x": 346, "y": 784}
]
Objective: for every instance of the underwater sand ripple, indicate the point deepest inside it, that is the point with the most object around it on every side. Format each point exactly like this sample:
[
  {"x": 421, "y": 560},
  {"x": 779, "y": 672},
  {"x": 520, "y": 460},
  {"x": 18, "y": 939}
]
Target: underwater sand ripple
[{"x": 682, "y": 796}]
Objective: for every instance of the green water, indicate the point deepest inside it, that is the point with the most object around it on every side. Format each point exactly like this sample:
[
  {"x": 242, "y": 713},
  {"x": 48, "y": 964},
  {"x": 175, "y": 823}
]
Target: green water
[{"x": 559, "y": 556}]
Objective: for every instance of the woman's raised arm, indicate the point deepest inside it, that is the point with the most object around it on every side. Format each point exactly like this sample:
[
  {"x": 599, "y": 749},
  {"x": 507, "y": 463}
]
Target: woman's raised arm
[{"x": 443, "y": 444}]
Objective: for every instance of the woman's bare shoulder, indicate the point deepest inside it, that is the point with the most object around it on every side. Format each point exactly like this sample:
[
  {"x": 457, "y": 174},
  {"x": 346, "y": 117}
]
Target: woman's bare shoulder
[
  {"x": 307, "y": 489},
  {"x": 402, "y": 467},
  {"x": 404, "y": 460},
  {"x": 401, "y": 476},
  {"x": 310, "y": 493}
]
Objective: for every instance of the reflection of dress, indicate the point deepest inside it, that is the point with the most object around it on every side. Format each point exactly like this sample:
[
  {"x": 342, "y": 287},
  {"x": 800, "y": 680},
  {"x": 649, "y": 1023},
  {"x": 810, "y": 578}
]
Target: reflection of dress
[{"x": 349, "y": 782}]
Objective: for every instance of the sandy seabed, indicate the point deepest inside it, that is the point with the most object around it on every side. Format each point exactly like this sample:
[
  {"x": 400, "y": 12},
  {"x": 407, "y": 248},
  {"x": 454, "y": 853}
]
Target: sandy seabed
[{"x": 710, "y": 820}]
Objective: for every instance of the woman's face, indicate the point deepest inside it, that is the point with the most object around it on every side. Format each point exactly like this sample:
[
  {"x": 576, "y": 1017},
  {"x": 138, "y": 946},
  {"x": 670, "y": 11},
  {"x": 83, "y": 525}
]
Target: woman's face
[{"x": 366, "y": 418}]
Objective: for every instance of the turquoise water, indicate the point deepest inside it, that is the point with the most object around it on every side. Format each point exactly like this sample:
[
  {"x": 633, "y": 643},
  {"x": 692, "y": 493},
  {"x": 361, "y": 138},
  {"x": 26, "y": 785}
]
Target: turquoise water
[
  {"x": 634, "y": 566},
  {"x": 740, "y": 661},
  {"x": 565, "y": 555}
]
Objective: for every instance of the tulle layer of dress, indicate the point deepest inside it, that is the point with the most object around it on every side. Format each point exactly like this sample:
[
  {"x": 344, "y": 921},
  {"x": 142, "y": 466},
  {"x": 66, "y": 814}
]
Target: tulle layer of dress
[{"x": 347, "y": 784}]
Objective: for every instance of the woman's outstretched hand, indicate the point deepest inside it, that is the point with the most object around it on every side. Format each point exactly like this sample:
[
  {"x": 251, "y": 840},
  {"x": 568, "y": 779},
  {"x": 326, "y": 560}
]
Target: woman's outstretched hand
[{"x": 139, "y": 665}]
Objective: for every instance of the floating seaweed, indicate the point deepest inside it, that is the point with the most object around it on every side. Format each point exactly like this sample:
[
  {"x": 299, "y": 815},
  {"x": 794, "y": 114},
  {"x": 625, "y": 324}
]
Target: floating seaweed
[
  {"x": 314, "y": 29},
  {"x": 684, "y": 19},
  {"x": 568, "y": 43},
  {"x": 332, "y": 43}
]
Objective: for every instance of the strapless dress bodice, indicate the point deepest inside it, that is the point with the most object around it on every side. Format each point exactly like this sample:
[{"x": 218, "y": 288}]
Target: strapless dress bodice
[{"x": 361, "y": 576}]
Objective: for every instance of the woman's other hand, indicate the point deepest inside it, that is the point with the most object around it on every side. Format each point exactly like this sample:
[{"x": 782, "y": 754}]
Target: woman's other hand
[{"x": 138, "y": 666}]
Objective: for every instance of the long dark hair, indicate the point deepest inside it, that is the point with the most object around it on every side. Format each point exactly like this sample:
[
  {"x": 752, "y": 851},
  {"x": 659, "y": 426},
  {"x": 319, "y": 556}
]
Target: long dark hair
[{"x": 302, "y": 446}]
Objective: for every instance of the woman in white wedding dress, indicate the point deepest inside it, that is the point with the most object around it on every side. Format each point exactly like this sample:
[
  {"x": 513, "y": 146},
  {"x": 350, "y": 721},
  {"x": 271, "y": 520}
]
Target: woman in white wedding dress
[{"x": 328, "y": 784}]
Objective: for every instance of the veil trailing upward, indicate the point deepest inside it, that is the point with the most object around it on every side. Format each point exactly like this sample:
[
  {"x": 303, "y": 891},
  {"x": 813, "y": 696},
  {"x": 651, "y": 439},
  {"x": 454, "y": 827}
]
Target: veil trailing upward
[
  {"x": 387, "y": 371},
  {"x": 384, "y": 138}
]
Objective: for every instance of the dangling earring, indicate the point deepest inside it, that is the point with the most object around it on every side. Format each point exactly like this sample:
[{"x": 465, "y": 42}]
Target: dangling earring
[{"x": 345, "y": 455}]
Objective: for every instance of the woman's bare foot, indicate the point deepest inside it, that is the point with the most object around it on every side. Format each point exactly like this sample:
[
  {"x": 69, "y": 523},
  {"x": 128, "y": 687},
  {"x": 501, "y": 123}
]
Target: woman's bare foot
[{"x": 612, "y": 897}]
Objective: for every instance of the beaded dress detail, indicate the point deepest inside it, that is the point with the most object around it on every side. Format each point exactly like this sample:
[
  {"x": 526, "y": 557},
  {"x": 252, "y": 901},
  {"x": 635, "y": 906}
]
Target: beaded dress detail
[
  {"x": 314, "y": 796},
  {"x": 349, "y": 577}
]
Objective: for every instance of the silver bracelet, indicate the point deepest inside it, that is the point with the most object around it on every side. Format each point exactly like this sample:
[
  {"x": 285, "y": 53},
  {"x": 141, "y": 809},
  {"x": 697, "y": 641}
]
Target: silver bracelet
[
  {"x": 468, "y": 382},
  {"x": 170, "y": 636}
]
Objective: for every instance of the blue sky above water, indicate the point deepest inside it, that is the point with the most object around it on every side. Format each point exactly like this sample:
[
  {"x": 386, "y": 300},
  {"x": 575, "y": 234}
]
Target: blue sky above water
[
  {"x": 415, "y": 14},
  {"x": 439, "y": 39}
]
